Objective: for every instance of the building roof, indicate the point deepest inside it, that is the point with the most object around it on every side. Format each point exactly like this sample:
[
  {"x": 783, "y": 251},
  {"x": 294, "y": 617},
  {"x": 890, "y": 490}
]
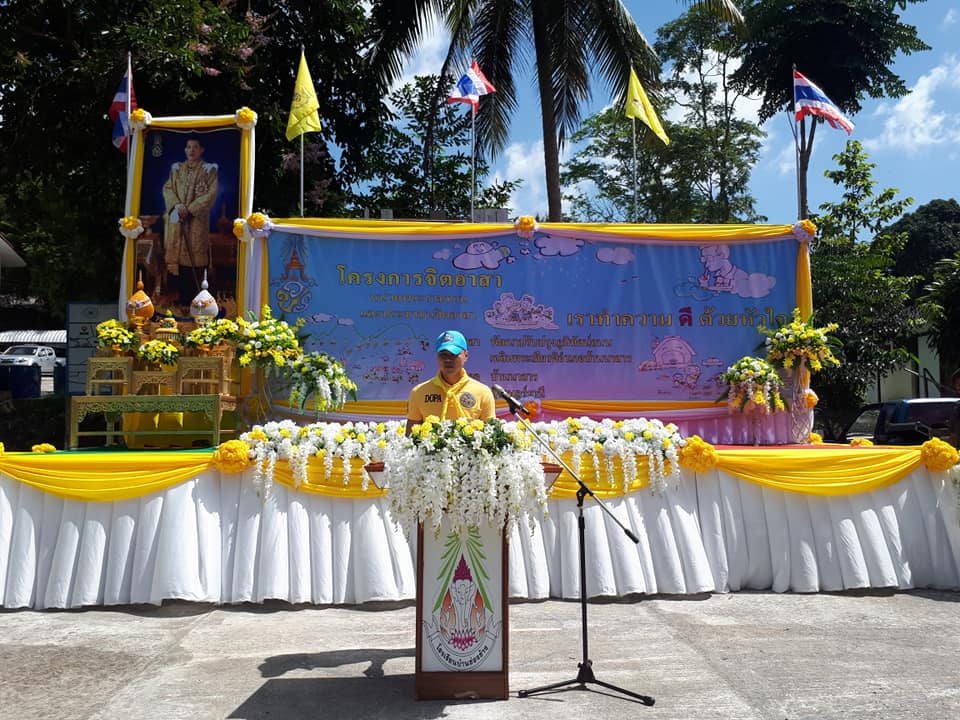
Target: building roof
[{"x": 38, "y": 337}]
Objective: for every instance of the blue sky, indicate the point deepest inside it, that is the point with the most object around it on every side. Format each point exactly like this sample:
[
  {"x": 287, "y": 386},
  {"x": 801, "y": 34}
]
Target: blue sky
[{"x": 914, "y": 141}]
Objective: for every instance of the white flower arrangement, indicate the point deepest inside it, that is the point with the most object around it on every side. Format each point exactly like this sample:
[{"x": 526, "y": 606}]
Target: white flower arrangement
[
  {"x": 469, "y": 472},
  {"x": 606, "y": 440},
  {"x": 295, "y": 444},
  {"x": 472, "y": 471}
]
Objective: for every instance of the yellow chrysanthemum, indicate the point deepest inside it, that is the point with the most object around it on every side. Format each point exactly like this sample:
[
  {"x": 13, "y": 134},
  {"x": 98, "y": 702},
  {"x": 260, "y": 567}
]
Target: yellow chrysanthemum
[
  {"x": 938, "y": 455},
  {"x": 698, "y": 455},
  {"x": 232, "y": 456},
  {"x": 43, "y": 448},
  {"x": 861, "y": 442}
]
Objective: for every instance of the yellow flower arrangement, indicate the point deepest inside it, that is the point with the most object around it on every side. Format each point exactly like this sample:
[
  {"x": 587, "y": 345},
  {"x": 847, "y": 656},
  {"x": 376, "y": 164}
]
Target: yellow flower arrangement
[
  {"x": 799, "y": 341},
  {"x": 158, "y": 351},
  {"x": 939, "y": 456},
  {"x": 246, "y": 118},
  {"x": 43, "y": 448},
  {"x": 816, "y": 439},
  {"x": 861, "y": 442},
  {"x": 239, "y": 228},
  {"x": 753, "y": 384},
  {"x": 232, "y": 456},
  {"x": 267, "y": 342},
  {"x": 257, "y": 221},
  {"x": 114, "y": 334},
  {"x": 698, "y": 455},
  {"x": 213, "y": 333}
]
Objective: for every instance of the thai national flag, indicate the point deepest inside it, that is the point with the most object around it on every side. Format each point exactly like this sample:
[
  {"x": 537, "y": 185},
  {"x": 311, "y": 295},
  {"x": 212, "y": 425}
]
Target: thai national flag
[
  {"x": 119, "y": 108},
  {"x": 470, "y": 87},
  {"x": 808, "y": 99}
]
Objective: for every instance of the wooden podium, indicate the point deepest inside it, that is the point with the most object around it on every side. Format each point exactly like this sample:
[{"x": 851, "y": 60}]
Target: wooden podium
[{"x": 462, "y": 628}]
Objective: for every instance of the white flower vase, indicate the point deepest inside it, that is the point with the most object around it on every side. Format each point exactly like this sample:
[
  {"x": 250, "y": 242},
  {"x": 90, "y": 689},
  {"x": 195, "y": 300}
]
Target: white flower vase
[{"x": 801, "y": 417}]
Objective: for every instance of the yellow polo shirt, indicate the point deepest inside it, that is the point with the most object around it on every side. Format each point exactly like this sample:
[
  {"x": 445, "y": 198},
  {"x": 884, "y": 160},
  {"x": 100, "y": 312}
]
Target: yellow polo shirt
[{"x": 475, "y": 399}]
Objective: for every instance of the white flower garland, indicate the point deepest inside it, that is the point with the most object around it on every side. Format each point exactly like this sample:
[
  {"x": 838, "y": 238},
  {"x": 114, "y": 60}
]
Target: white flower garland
[{"x": 499, "y": 488}]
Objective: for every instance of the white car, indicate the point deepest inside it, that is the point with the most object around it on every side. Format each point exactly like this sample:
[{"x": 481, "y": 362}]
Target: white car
[{"x": 42, "y": 356}]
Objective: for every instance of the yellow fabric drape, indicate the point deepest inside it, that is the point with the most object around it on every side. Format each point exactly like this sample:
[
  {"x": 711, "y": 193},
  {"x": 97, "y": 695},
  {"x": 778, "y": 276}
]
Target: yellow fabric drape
[
  {"x": 399, "y": 228},
  {"x": 104, "y": 476},
  {"x": 804, "y": 282},
  {"x": 825, "y": 470}
]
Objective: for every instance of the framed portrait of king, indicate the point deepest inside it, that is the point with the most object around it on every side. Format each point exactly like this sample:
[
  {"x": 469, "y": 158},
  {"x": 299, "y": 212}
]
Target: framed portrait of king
[{"x": 188, "y": 179}]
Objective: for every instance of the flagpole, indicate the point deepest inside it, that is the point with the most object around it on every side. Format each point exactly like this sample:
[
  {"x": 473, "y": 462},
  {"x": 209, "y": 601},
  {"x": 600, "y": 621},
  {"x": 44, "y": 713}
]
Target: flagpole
[
  {"x": 796, "y": 142},
  {"x": 473, "y": 159},
  {"x": 129, "y": 92},
  {"x": 302, "y": 50},
  {"x": 633, "y": 124}
]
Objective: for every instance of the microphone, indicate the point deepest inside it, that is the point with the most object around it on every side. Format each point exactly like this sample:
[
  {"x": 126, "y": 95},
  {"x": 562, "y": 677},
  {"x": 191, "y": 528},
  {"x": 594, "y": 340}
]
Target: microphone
[{"x": 515, "y": 405}]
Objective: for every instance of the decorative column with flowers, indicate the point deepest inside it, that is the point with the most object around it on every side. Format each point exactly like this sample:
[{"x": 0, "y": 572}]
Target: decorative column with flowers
[
  {"x": 800, "y": 349},
  {"x": 266, "y": 345}
]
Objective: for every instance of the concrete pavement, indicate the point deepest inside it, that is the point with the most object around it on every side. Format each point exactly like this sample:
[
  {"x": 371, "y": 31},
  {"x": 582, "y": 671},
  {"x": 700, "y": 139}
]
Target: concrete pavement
[{"x": 747, "y": 655}]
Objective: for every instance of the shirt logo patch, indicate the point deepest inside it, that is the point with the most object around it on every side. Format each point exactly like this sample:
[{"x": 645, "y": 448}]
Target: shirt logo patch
[
  {"x": 467, "y": 400},
  {"x": 432, "y": 398}
]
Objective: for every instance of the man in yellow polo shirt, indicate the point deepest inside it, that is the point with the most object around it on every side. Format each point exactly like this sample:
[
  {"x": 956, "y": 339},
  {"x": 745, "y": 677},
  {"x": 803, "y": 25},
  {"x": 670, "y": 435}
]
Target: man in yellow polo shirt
[{"x": 452, "y": 393}]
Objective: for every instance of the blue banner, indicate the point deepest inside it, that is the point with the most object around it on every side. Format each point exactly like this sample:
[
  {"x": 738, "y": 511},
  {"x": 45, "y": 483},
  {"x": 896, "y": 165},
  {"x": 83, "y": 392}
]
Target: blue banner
[{"x": 548, "y": 317}]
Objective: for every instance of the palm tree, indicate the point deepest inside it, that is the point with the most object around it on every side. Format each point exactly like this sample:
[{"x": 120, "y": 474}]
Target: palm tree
[{"x": 568, "y": 39}]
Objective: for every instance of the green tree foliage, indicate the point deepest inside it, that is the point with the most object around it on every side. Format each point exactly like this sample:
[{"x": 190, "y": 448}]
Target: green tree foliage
[
  {"x": 703, "y": 175},
  {"x": 933, "y": 233},
  {"x": 393, "y": 177},
  {"x": 568, "y": 38},
  {"x": 940, "y": 305},
  {"x": 848, "y": 48},
  {"x": 854, "y": 285},
  {"x": 62, "y": 182}
]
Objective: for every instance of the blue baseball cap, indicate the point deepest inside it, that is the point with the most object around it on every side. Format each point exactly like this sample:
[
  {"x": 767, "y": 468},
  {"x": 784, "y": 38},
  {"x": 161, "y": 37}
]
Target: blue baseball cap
[{"x": 451, "y": 341}]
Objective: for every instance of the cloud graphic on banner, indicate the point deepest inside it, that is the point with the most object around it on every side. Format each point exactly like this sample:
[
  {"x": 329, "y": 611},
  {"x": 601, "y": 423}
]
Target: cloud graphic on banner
[
  {"x": 442, "y": 254},
  {"x": 482, "y": 254},
  {"x": 344, "y": 321},
  {"x": 615, "y": 255},
  {"x": 721, "y": 275},
  {"x": 319, "y": 318},
  {"x": 558, "y": 246}
]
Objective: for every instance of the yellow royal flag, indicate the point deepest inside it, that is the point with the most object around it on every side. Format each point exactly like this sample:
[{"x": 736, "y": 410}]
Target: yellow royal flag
[
  {"x": 639, "y": 107},
  {"x": 303, "y": 110}
]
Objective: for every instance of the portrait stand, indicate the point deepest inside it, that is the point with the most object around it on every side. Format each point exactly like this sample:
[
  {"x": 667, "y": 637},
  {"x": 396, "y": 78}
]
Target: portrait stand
[{"x": 585, "y": 675}]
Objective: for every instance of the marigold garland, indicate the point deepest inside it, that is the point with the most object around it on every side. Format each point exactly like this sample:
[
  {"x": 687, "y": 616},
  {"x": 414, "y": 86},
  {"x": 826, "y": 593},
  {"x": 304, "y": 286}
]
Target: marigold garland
[
  {"x": 816, "y": 439},
  {"x": 43, "y": 448},
  {"x": 232, "y": 456},
  {"x": 938, "y": 455},
  {"x": 698, "y": 455},
  {"x": 861, "y": 442}
]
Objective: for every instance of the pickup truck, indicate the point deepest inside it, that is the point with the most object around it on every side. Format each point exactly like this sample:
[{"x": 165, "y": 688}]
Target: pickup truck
[
  {"x": 42, "y": 356},
  {"x": 911, "y": 421}
]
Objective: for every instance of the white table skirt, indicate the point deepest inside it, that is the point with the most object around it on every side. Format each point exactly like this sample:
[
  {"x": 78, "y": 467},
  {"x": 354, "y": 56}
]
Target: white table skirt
[{"x": 212, "y": 539}]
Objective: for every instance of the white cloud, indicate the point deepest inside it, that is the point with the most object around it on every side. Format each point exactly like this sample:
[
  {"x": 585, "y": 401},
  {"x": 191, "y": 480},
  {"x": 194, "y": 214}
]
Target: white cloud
[
  {"x": 951, "y": 18},
  {"x": 524, "y": 160},
  {"x": 914, "y": 122}
]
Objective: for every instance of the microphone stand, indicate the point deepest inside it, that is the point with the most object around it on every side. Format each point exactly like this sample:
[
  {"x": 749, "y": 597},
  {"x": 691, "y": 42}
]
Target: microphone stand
[{"x": 585, "y": 667}]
